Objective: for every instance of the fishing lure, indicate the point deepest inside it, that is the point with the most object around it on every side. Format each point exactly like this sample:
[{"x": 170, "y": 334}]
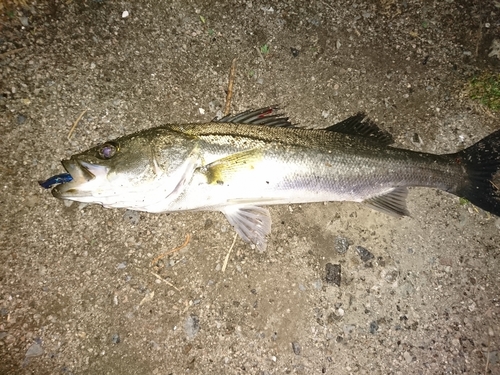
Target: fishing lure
[{"x": 55, "y": 180}]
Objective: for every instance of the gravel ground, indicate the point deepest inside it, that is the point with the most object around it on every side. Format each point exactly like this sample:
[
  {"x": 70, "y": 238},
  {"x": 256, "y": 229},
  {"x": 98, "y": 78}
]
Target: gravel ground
[{"x": 341, "y": 289}]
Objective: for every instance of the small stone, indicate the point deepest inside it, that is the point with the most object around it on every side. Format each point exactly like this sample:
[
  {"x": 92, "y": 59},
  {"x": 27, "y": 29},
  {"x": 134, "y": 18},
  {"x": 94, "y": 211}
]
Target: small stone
[
  {"x": 34, "y": 350},
  {"x": 295, "y": 51},
  {"x": 364, "y": 254},
  {"x": 132, "y": 216},
  {"x": 296, "y": 348},
  {"x": 493, "y": 357},
  {"x": 68, "y": 203},
  {"x": 317, "y": 284},
  {"x": 341, "y": 244},
  {"x": 24, "y": 21},
  {"x": 32, "y": 201},
  {"x": 125, "y": 14},
  {"x": 490, "y": 332},
  {"x": 115, "y": 339},
  {"x": 21, "y": 119},
  {"x": 214, "y": 105},
  {"x": 208, "y": 224},
  {"x": 416, "y": 139},
  {"x": 349, "y": 328},
  {"x": 373, "y": 327},
  {"x": 333, "y": 274},
  {"x": 407, "y": 357},
  {"x": 192, "y": 326},
  {"x": 497, "y": 223}
]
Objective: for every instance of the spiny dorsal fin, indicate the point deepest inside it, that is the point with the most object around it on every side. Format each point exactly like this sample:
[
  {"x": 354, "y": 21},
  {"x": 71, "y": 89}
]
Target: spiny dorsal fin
[
  {"x": 363, "y": 127},
  {"x": 262, "y": 116},
  {"x": 392, "y": 203}
]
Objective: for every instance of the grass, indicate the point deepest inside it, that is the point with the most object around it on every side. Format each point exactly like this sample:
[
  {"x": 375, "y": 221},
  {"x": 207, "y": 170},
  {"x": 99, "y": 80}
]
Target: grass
[{"x": 485, "y": 89}]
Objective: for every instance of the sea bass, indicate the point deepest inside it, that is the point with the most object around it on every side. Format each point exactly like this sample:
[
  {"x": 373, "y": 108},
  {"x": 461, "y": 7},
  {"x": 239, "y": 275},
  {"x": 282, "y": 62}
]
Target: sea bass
[{"x": 240, "y": 163}]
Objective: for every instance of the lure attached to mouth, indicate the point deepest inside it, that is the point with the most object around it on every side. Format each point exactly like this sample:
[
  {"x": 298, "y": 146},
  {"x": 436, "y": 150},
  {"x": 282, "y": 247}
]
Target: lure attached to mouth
[{"x": 56, "y": 180}]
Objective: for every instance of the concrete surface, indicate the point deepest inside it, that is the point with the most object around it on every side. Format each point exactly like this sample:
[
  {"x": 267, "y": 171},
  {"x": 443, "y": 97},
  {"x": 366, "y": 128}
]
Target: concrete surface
[{"x": 78, "y": 292}]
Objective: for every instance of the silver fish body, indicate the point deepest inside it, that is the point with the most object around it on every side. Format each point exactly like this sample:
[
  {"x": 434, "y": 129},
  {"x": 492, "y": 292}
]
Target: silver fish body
[{"x": 257, "y": 158}]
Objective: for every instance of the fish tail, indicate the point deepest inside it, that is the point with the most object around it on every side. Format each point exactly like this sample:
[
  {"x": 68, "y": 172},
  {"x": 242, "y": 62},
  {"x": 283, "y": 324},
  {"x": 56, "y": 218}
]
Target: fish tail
[{"x": 482, "y": 164}]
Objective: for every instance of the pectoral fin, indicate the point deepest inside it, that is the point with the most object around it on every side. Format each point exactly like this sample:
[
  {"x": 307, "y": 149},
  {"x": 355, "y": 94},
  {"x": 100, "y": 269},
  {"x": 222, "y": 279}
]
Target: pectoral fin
[
  {"x": 252, "y": 223},
  {"x": 223, "y": 170},
  {"x": 392, "y": 203}
]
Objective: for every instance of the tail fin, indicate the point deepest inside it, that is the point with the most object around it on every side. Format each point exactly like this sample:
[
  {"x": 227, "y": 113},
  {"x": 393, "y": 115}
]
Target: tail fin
[{"x": 482, "y": 162}]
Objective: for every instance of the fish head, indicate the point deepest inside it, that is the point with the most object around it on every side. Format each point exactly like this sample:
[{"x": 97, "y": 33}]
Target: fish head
[{"x": 109, "y": 172}]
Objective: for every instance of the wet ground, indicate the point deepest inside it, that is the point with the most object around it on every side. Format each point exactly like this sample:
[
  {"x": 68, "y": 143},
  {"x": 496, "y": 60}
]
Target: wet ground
[{"x": 79, "y": 293}]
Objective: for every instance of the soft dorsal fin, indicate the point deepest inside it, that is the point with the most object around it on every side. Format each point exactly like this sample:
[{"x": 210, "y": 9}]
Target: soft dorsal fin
[
  {"x": 262, "y": 116},
  {"x": 363, "y": 127}
]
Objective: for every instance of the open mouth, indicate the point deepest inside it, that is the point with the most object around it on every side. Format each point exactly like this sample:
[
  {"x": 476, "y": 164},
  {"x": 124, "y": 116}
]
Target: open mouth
[{"x": 67, "y": 184}]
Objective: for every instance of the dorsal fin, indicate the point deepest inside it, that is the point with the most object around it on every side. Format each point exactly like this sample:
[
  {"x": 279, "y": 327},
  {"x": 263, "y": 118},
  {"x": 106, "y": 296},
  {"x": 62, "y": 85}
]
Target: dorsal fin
[
  {"x": 262, "y": 116},
  {"x": 363, "y": 127}
]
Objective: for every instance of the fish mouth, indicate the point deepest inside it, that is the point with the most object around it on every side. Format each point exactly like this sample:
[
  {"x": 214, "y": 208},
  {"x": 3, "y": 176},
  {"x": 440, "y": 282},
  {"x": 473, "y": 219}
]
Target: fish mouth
[{"x": 82, "y": 173}]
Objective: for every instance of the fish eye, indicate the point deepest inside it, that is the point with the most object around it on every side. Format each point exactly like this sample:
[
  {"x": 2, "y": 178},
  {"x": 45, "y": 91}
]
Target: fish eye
[{"x": 108, "y": 150}]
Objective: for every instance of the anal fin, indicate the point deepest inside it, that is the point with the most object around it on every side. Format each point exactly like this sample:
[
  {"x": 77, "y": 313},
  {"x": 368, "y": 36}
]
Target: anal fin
[
  {"x": 252, "y": 223},
  {"x": 392, "y": 203}
]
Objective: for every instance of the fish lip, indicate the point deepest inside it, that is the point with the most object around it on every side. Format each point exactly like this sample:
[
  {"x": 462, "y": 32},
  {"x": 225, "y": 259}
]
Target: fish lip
[{"x": 80, "y": 174}]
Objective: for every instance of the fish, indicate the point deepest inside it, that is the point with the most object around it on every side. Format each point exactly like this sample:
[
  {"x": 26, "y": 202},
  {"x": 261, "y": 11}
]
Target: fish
[{"x": 242, "y": 163}]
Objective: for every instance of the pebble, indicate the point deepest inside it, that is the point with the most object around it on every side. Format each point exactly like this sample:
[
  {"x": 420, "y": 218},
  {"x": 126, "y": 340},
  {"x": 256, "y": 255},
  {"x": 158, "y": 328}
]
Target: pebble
[
  {"x": 341, "y": 244},
  {"x": 416, "y": 139},
  {"x": 31, "y": 201},
  {"x": 349, "y": 328},
  {"x": 68, "y": 203},
  {"x": 373, "y": 327},
  {"x": 115, "y": 339},
  {"x": 213, "y": 105},
  {"x": 21, "y": 119},
  {"x": 497, "y": 223},
  {"x": 295, "y": 51},
  {"x": 493, "y": 357},
  {"x": 317, "y": 284},
  {"x": 333, "y": 274},
  {"x": 24, "y": 21},
  {"x": 34, "y": 350},
  {"x": 297, "y": 349},
  {"x": 407, "y": 357},
  {"x": 192, "y": 326},
  {"x": 132, "y": 216},
  {"x": 364, "y": 254}
]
